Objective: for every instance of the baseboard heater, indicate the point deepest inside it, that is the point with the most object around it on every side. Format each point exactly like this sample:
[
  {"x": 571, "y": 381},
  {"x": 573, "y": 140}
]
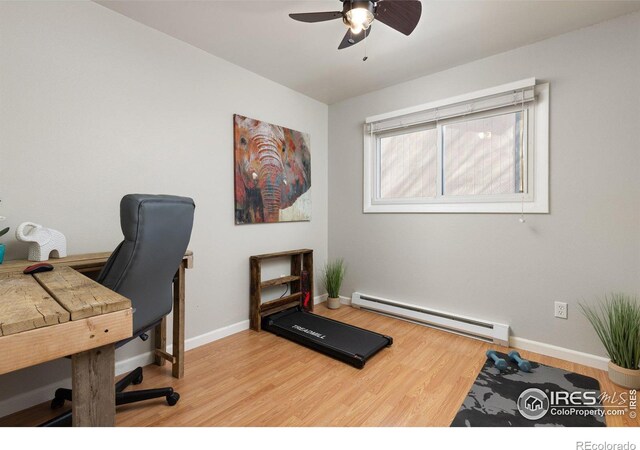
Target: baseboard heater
[{"x": 496, "y": 333}]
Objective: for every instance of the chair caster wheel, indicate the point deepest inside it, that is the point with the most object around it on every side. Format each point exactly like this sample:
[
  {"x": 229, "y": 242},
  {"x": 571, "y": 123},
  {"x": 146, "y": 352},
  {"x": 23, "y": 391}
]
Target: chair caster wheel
[
  {"x": 137, "y": 380},
  {"x": 57, "y": 403},
  {"x": 173, "y": 398}
]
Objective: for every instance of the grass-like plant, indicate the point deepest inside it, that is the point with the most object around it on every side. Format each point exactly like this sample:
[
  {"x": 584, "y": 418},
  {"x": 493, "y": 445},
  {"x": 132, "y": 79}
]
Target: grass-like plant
[
  {"x": 332, "y": 276},
  {"x": 617, "y": 323}
]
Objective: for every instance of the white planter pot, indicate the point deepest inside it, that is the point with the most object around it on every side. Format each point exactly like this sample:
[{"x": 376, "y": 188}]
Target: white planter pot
[
  {"x": 333, "y": 303},
  {"x": 628, "y": 378}
]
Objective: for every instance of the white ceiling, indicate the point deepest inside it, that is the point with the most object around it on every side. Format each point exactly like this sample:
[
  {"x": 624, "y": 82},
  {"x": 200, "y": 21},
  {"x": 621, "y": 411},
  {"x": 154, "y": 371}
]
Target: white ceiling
[{"x": 259, "y": 36}]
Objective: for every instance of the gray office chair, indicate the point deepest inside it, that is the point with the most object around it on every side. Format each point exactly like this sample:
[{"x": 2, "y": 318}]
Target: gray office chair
[{"x": 156, "y": 232}]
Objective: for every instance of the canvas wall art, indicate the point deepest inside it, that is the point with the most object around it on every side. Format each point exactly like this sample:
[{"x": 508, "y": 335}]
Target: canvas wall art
[{"x": 272, "y": 172}]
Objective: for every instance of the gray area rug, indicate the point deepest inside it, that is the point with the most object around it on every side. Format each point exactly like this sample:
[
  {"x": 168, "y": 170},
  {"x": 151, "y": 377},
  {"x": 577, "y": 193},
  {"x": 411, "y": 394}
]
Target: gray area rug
[{"x": 493, "y": 398}]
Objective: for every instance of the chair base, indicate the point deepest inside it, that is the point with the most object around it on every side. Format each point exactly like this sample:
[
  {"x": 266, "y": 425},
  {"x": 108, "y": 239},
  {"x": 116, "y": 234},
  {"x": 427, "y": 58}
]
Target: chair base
[{"x": 122, "y": 398}]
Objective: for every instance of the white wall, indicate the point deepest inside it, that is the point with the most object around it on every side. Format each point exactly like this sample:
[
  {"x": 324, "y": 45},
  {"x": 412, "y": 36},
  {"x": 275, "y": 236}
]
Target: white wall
[
  {"x": 93, "y": 106},
  {"x": 489, "y": 265}
]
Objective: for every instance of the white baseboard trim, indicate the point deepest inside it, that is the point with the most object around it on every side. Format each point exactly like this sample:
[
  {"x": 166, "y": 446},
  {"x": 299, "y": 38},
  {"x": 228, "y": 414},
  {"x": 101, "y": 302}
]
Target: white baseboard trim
[
  {"x": 586, "y": 359},
  {"x": 214, "y": 335},
  {"x": 144, "y": 359},
  {"x": 127, "y": 365}
]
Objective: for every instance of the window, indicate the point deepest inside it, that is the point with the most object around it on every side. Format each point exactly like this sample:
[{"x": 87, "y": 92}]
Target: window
[
  {"x": 408, "y": 164},
  {"x": 482, "y": 152}
]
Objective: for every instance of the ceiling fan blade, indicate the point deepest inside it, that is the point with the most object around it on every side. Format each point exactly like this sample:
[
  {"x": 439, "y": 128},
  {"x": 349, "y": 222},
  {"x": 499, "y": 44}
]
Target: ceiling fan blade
[
  {"x": 316, "y": 16},
  {"x": 401, "y": 15},
  {"x": 352, "y": 39}
]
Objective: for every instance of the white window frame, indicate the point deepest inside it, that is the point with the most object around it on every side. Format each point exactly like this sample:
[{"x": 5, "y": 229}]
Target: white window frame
[{"x": 534, "y": 200}]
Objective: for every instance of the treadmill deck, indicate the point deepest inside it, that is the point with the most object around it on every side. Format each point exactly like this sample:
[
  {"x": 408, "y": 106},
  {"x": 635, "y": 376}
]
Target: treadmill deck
[{"x": 342, "y": 341}]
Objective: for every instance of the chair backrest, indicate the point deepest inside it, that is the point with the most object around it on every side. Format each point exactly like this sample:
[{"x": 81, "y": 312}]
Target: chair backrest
[{"x": 156, "y": 232}]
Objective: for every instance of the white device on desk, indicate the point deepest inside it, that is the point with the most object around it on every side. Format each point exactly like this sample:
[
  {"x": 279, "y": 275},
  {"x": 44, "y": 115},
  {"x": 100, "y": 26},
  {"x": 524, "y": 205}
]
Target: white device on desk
[{"x": 43, "y": 242}]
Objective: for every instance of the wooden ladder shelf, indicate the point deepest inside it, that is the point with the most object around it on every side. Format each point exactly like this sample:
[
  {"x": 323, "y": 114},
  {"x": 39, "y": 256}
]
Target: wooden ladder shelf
[{"x": 301, "y": 261}]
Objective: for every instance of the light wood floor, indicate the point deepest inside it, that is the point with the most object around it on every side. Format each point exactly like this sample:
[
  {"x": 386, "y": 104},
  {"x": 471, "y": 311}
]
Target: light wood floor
[{"x": 258, "y": 379}]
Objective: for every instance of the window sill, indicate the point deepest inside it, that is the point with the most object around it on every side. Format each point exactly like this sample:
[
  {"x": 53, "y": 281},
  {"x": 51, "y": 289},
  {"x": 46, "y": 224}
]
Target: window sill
[{"x": 460, "y": 208}]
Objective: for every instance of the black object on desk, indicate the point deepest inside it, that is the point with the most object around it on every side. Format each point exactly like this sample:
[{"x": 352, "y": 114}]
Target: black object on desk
[{"x": 37, "y": 268}]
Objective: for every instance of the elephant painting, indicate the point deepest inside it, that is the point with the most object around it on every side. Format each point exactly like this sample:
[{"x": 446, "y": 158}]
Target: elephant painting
[{"x": 272, "y": 173}]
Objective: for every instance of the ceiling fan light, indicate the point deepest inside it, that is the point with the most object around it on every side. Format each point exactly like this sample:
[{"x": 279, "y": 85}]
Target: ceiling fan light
[
  {"x": 359, "y": 19},
  {"x": 356, "y": 28}
]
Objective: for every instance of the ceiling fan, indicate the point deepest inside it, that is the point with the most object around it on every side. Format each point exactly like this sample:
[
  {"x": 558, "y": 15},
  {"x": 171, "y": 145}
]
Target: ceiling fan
[{"x": 357, "y": 15}]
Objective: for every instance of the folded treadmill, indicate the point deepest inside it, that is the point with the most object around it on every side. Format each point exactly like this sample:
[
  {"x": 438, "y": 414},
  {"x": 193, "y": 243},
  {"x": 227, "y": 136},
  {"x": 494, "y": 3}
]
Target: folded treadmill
[{"x": 342, "y": 341}]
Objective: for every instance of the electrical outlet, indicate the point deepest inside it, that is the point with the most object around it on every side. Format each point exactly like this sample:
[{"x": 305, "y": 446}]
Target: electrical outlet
[{"x": 561, "y": 310}]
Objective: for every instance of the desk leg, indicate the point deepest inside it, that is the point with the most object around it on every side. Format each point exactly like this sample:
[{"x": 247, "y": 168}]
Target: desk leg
[
  {"x": 178, "y": 323},
  {"x": 93, "y": 378},
  {"x": 160, "y": 340}
]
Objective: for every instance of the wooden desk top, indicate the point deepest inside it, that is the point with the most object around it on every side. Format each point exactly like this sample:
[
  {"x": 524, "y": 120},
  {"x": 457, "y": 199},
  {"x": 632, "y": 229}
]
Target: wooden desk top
[
  {"x": 54, "y": 314},
  {"x": 24, "y": 305},
  {"x": 49, "y": 298}
]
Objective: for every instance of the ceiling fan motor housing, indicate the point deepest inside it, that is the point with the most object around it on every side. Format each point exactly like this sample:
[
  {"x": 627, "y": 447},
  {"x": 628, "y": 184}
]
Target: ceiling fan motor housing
[{"x": 349, "y": 5}]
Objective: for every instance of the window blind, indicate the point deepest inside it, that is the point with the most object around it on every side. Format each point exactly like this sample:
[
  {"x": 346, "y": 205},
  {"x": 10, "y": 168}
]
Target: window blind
[{"x": 522, "y": 94}]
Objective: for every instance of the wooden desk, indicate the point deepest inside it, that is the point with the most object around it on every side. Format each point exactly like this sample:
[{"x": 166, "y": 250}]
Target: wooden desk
[
  {"x": 55, "y": 314},
  {"x": 91, "y": 264}
]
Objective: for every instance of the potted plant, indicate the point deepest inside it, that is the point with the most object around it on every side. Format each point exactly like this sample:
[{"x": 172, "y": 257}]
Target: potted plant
[
  {"x": 332, "y": 277},
  {"x": 617, "y": 323}
]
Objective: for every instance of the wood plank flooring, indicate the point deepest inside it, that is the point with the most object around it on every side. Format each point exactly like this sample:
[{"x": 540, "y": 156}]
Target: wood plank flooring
[{"x": 258, "y": 379}]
